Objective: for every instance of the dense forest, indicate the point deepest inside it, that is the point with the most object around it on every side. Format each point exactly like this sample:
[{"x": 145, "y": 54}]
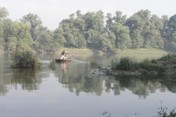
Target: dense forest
[{"x": 92, "y": 30}]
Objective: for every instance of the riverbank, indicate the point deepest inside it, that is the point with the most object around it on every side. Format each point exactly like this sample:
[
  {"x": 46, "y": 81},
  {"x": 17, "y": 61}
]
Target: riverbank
[
  {"x": 141, "y": 53},
  {"x": 75, "y": 51},
  {"x": 164, "y": 66},
  {"x": 150, "y": 53}
]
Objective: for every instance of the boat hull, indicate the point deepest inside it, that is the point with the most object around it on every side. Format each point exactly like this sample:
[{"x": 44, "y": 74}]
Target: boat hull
[{"x": 62, "y": 61}]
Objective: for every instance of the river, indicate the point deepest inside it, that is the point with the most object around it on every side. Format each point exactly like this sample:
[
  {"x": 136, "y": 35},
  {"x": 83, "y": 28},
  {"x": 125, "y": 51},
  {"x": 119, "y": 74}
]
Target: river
[{"x": 77, "y": 90}]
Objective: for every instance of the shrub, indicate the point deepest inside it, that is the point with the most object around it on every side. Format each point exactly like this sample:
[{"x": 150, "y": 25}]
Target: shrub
[
  {"x": 146, "y": 64},
  {"x": 169, "y": 58},
  {"x": 151, "y": 65},
  {"x": 125, "y": 64},
  {"x": 24, "y": 59}
]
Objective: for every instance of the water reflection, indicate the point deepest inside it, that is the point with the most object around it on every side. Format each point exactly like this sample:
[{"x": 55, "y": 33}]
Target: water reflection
[
  {"x": 141, "y": 86},
  {"x": 77, "y": 78},
  {"x": 171, "y": 85},
  {"x": 26, "y": 78},
  {"x": 3, "y": 89},
  {"x": 64, "y": 67}
]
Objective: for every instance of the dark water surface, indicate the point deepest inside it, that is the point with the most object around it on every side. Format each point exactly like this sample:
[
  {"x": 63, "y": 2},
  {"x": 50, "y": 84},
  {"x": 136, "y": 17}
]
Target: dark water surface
[{"x": 77, "y": 90}]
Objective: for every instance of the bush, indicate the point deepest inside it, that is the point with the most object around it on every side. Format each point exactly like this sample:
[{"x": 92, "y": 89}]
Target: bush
[
  {"x": 125, "y": 64},
  {"x": 146, "y": 64},
  {"x": 24, "y": 59},
  {"x": 169, "y": 58}
]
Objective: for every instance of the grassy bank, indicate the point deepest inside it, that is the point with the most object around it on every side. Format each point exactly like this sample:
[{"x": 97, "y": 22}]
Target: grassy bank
[
  {"x": 165, "y": 65},
  {"x": 141, "y": 53},
  {"x": 74, "y": 51},
  {"x": 145, "y": 52}
]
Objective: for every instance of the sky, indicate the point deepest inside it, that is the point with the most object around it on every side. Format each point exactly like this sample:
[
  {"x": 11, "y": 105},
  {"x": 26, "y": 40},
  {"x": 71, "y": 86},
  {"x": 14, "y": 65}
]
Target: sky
[{"x": 51, "y": 12}]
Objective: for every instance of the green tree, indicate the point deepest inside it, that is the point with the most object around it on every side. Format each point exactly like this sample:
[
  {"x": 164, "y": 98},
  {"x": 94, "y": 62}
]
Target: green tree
[
  {"x": 136, "y": 24},
  {"x": 109, "y": 22},
  {"x": 70, "y": 32},
  {"x": 3, "y": 13},
  {"x": 116, "y": 25},
  {"x": 7, "y": 33},
  {"x": 156, "y": 38},
  {"x": 152, "y": 32},
  {"x": 58, "y": 38},
  {"x": 16, "y": 35},
  {"x": 94, "y": 28},
  {"x": 34, "y": 22},
  {"x": 42, "y": 36},
  {"x": 170, "y": 33},
  {"x": 43, "y": 39},
  {"x": 22, "y": 35}
]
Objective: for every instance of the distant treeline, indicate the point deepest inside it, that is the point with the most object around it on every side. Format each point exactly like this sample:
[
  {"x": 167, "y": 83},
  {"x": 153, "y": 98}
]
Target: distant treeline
[{"x": 90, "y": 30}]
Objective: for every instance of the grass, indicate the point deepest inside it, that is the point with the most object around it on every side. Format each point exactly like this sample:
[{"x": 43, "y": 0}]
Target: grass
[
  {"x": 137, "y": 54},
  {"x": 75, "y": 51},
  {"x": 141, "y": 53}
]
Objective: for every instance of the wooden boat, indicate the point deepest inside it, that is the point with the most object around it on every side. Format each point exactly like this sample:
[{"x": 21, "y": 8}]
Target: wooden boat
[{"x": 62, "y": 61}]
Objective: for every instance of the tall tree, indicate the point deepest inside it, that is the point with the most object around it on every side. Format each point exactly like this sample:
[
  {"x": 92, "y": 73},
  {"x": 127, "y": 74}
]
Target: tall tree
[
  {"x": 94, "y": 28},
  {"x": 7, "y": 33},
  {"x": 58, "y": 38},
  {"x": 44, "y": 39},
  {"x": 3, "y": 13},
  {"x": 42, "y": 36},
  {"x": 170, "y": 33},
  {"x": 34, "y": 22},
  {"x": 116, "y": 26},
  {"x": 21, "y": 35},
  {"x": 138, "y": 25},
  {"x": 156, "y": 39}
]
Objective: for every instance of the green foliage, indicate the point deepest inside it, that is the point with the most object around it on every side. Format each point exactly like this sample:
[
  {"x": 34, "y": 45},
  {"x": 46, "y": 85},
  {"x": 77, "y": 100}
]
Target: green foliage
[
  {"x": 24, "y": 59},
  {"x": 3, "y": 12},
  {"x": 169, "y": 33},
  {"x": 146, "y": 65},
  {"x": 125, "y": 64},
  {"x": 169, "y": 58},
  {"x": 90, "y": 30},
  {"x": 151, "y": 65}
]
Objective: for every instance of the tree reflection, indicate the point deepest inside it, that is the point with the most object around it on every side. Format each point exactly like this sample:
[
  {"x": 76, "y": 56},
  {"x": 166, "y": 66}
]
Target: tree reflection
[
  {"x": 77, "y": 80},
  {"x": 171, "y": 85},
  {"x": 141, "y": 86},
  {"x": 3, "y": 87},
  {"x": 26, "y": 78}
]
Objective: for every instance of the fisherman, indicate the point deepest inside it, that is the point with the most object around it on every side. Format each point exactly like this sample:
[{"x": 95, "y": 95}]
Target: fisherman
[{"x": 64, "y": 55}]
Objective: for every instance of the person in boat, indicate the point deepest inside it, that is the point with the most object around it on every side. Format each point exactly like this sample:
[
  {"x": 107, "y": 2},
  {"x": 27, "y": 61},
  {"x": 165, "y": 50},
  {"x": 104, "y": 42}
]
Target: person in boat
[{"x": 64, "y": 55}]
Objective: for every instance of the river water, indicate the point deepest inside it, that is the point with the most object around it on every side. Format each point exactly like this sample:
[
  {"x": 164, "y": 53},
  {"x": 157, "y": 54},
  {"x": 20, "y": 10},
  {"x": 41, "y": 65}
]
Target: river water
[{"x": 78, "y": 90}]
